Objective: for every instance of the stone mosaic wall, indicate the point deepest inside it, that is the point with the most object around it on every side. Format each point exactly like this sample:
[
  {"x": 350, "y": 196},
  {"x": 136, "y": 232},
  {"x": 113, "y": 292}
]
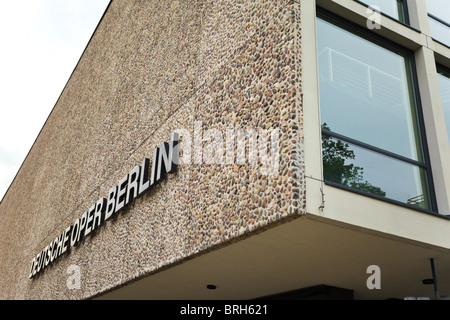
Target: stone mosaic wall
[{"x": 154, "y": 67}]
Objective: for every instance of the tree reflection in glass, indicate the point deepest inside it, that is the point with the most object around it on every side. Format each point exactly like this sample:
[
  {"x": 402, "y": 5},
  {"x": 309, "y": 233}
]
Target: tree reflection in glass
[{"x": 337, "y": 169}]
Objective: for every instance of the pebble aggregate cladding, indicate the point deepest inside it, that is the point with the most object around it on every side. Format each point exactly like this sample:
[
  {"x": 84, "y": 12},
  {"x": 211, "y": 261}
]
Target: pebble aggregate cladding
[{"x": 152, "y": 68}]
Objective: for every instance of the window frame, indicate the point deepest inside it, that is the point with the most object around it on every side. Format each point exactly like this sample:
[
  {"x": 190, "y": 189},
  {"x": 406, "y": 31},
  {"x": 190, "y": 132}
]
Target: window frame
[
  {"x": 438, "y": 20},
  {"x": 366, "y": 34},
  {"x": 442, "y": 69},
  {"x": 405, "y": 12}
]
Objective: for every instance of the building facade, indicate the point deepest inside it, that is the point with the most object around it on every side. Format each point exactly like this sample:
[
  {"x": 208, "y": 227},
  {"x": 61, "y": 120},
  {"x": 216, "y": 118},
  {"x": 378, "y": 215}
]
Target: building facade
[{"x": 282, "y": 149}]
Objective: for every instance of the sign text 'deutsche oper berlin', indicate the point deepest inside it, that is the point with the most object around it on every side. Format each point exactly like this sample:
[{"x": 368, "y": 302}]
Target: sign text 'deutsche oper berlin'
[{"x": 131, "y": 186}]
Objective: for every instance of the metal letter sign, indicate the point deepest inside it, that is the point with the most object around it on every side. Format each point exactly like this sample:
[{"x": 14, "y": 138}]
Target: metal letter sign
[{"x": 130, "y": 187}]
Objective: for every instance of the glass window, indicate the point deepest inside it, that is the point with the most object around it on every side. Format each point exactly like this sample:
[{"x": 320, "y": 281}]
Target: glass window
[
  {"x": 370, "y": 124},
  {"x": 444, "y": 84},
  {"x": 439, "y": 16},
  {"x": 373, "y": 172},
  {"x": 394, "y": 8},
  {"x": 440, "y": 9}
]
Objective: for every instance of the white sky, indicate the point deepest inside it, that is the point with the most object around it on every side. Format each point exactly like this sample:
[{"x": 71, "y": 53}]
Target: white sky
[{"x": 41, "y": 42}]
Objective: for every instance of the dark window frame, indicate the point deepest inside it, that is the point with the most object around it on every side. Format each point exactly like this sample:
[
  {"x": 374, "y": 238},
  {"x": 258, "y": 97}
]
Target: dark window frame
[
  {"x": 426, "y": 165},
  {"x": 441, "y": 68},
  {"x": 445, "y": 23}
]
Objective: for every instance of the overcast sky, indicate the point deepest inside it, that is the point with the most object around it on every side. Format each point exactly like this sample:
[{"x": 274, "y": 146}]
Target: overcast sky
[{"x": 41, "y": 43}]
